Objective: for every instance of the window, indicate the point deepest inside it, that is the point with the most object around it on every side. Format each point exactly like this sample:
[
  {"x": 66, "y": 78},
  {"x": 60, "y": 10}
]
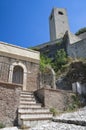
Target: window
[{"x": 61, "y": 13}]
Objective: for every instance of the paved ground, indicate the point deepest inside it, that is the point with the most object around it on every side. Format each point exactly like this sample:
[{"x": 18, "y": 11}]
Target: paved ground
[
  {"x": 68, "y": 121},
  {"x": 10, "y": 128},
  {"x": 59, "y": 126}
]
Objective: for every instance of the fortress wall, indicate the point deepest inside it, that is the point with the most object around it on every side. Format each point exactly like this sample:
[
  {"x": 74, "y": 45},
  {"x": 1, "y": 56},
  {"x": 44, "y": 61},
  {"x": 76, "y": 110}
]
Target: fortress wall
[
  {"x": 77, "y": 49},
  {"x": 82, "y": 35},
  {"x": 51, "y": 49},
  {"x": 9, "y": 102}
]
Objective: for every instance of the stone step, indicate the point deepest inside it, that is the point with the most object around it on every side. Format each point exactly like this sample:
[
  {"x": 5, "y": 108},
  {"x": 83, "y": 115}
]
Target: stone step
[
  {"x": 28, "y": 102},
  {"x": 36, "y": 116},
  {"x": 27, "y": 98},
  {"x": 30, "y": 113},
  {"x": 24, "y": 95},
  {"x": 30, "y": 106},
  {"x": 26, "y": 92},
  {"x": 34, "y": 110},
  {"x": 33, "y": 123}
]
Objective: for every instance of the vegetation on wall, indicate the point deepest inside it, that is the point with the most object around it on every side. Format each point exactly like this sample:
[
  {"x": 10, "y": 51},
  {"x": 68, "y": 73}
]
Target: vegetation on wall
[
  {"x": 59, "y": 63},
  {"x": 44, "y": 62},
  {"x": 60, "y": 60},
  {"x": 82, "y": 30}
]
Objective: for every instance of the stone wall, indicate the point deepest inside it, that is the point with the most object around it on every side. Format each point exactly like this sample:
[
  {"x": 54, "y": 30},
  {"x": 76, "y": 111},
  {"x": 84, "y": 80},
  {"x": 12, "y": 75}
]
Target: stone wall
[
  {"x": 50, "y": 98},
  {"x": 49, "y": 49},
  {"x": 9, "y": 102},
  {"x": 31, "y": 74},
  {"x": 82, "y": 35},
  {"x": 48, "y": 78},
  {"x": 58, "y": 23},
  {"x": 77, "y": 49}
]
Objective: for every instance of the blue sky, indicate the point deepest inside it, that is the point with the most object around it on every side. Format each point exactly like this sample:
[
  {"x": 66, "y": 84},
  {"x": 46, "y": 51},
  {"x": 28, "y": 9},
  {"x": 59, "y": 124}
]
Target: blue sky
[{"x": 25, "y": 22}]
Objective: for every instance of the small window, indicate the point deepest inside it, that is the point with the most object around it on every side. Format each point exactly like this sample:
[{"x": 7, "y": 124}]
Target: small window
[{"x": 61, "y": 13}]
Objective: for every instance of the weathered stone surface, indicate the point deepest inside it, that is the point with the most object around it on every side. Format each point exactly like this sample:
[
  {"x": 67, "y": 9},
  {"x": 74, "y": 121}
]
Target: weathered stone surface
[
  {"x": 77, "y": 49},
  {"x": 32, "y": 82},
  {"x": 77, "y": 116},
  {"x": 51, "y": 98},
  {"x": 19, "y": 52},
  {"x": 59, "y": 126},
  {"x": 82, "y": 35},
  {"x": 48, "y": 78},
  {"x": 10, "y": 128},
  {"x": 9, "y": 102}
]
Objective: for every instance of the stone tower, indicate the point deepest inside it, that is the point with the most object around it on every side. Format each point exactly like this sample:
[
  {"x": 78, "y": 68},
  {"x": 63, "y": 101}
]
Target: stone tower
[{"x": 58, "y": 22}]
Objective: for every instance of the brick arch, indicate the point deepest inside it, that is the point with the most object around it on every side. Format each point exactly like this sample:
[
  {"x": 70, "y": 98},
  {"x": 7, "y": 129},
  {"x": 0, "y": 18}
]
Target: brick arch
[{"x": 24, "y": 73}]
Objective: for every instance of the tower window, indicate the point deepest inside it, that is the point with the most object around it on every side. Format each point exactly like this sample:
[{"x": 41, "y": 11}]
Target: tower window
[{"x": 61, "y": 13}]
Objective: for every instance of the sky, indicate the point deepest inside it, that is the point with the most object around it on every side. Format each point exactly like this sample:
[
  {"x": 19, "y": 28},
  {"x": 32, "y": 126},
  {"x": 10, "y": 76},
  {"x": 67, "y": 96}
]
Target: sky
[{"x": 25, "y": 23}]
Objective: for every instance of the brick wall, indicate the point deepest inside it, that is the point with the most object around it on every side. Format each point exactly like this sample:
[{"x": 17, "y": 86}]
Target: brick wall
[{"x": 9, "y": 102}]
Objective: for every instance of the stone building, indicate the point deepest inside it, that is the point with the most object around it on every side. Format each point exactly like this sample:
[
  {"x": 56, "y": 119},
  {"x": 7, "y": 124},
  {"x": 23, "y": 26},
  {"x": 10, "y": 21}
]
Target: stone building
[
  {"x": 58, "y": 22},
  {"x": 19, "y": 76},
  {"x": 19, "y": 66},
  {"x": 62, "y": 38}
]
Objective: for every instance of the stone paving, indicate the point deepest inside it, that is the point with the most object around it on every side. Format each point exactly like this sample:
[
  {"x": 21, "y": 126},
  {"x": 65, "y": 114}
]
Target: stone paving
[
  {"x": 10, "y": 128},
  {"x": 79, "y": 116},
  {"x": 67, "y": 121},
  {"x": 59, "y": 126}
]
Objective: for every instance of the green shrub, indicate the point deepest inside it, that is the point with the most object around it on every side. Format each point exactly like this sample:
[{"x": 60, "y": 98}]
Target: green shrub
[
  {"x": 53, "y": 111},
  {"x": 58, "y": 43},
  {"x": 44, "y": 61},
  {"x": 2, "y": 125},
  {"x": 60, "y": 60}
]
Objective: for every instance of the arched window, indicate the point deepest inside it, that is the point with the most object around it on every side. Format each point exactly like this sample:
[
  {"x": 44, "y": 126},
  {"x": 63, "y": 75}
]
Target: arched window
[{"x": 17, "y": 75}]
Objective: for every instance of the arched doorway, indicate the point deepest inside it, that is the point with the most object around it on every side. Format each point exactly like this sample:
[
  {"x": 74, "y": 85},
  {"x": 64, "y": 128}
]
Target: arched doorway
[
  {"x": 17, "y": 75},
  {"x": 20, "y": 69}
]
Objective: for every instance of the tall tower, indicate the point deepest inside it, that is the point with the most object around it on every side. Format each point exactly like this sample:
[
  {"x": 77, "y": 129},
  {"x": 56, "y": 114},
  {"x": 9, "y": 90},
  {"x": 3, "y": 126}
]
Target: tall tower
[{"x": 58, "y": 22}]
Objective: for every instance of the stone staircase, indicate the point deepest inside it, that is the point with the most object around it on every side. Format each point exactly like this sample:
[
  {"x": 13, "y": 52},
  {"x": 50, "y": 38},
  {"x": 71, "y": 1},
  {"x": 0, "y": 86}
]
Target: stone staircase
[{"x": 31, "y": 113}]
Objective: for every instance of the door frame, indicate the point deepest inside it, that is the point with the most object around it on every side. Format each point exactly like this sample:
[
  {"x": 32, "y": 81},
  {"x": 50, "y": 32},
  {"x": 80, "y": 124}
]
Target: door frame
[{"x": 24, "y": 73}]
